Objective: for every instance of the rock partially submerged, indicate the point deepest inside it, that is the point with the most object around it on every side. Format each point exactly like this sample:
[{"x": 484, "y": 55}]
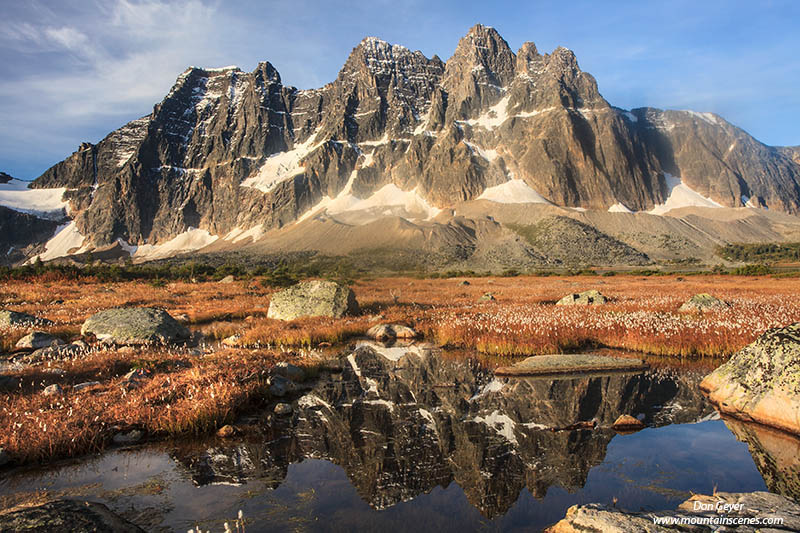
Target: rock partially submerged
[
  {"x": 569, "y": 364},
  {"x": 36, "y": 340},
  {"x": 761, "y": 382},
  {"x": 66, "y": 515},
  {"x": 703, "y": 302},
  {"x": 384, "y": 332},
  {"x": 591, "y": 297},
  {"x": 14, "y": 319},
  {"x": 760, "y": 505},
  {"x": 313, "y": 298},
  {"x": 135, "y": 325}
]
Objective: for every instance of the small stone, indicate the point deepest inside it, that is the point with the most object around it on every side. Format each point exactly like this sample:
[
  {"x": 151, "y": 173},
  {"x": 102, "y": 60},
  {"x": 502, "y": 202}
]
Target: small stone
[
  {"x": 232, "y": 341},
  {"x": 704, "y": 302},
  {"x": 487, "y": 297},
  {"x": 38, "y": 339},
  {"x": 591, "y": 297},
  {"x": 227, "y": 279},
  {"x": 283, "y": 409},
  {"x": 227, "y": 431},
  {"x": 627, "y": 422},
  {"x": 53, "y": 390},
  {"x": 85, "y": 385},
  {"x": 131, "y": 437},
  {"x": 464, "y": 283},
  {"x": 289, "y": 371},
  {"x": 279, "y": 386}
]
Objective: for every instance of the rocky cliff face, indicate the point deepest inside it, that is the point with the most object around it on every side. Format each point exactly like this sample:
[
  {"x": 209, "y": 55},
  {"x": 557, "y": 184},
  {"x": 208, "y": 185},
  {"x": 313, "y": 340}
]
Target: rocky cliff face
[
  {"x": 228, "y": 150},
  {"x": 401, "y": 421}
]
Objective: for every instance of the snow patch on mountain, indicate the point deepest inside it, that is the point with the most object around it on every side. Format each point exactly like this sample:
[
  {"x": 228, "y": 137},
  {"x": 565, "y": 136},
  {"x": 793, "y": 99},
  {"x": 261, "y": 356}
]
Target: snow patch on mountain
[
  {"x": 43, "y": 203},
  {"x": 619, "y": 208},
  {"x": 681, "y": 195},
  {"x": 281, "y": 166},
  {"x": 67, "y": 240},
  {"x": 241, "y": 234},
  {"x": 514, "y": 191},
  {"x": 495, "y": 116},
  {"x": 192, "y": 239}
]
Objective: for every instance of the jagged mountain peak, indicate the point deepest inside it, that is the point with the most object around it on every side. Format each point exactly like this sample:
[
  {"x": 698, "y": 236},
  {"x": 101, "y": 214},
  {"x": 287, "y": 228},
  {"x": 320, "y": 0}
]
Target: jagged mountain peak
[{"x": 229, "y": 153}]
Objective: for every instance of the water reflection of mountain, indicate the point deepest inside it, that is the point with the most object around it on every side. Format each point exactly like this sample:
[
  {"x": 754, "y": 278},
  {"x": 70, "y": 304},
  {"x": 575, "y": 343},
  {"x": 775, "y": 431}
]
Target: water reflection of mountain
[{"x": 403, "y": 421}]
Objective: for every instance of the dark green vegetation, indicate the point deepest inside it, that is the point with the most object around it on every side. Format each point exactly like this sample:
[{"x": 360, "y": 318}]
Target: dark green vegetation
[{"x": 761, "y": 253}]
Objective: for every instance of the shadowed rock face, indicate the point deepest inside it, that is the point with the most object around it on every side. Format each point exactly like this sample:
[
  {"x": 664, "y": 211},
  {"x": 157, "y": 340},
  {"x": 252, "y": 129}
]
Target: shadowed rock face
[
  {"x": 393, "y": 116},
  {"x": 401, "y": 421}
]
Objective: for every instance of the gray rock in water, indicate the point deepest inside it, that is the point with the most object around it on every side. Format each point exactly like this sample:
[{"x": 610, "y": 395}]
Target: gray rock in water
[
  {"x": 13, "y": 319},
  {"x": 38, "y": 339},
  {"x": 384, "y": 332},
  {"x": 761, "y": 382},
  {"x": 130, "y": 437},
  {"x": 67, "y": 515},
  {"x": 135, "y": 325},
  {"x": 289, "y": 371},
  {"x": 4, "y": 457},
  {"x": 53, "y": 390},
  {"x": 704, "y": 302},
  {"x": 283, "y": 409},
  {"x": 313, "y": 298},
  {"x": 591, "y": 297}
]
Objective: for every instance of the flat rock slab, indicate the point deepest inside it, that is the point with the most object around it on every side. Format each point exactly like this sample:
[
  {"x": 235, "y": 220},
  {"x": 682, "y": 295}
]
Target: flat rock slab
[{"x": 539, "y": 365}]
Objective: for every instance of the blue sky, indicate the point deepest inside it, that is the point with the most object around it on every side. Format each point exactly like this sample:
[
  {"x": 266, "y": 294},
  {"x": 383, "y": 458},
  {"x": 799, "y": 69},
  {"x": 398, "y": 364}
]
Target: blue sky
[{"x": 74, "y": 71}]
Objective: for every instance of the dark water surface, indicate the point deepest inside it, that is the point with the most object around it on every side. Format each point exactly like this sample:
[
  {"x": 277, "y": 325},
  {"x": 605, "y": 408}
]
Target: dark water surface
[{"x": 398, "y": 441}]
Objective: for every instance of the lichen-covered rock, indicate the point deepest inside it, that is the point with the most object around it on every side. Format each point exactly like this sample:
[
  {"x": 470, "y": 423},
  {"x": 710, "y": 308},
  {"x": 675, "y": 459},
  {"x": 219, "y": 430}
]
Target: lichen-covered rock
[
  {"x": 761, "y": 382},
  {"x": 38, "y": 339},
  {"x": 596, "y": 517},
  {"x": 14, "y": 319},
  {"x": 313, "y": 298},
  {"x": 703, "y": 302},
  {"x": 135, "y": 325},
  {"x": 67, "y": 515},
  {"x": 591, "y": 297},
  {"x": 384, "y": 332}
]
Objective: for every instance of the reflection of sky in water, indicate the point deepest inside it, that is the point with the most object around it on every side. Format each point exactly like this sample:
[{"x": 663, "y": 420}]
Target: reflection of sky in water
[{"x": 652, "y": 469}]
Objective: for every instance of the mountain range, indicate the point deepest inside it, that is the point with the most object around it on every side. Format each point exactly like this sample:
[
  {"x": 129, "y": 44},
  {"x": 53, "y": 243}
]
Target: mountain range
[{"x": 492, "y": 158}]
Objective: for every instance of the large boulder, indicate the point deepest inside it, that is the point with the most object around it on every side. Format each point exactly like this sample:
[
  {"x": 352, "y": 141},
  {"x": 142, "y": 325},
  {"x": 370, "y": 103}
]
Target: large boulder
[
  {"x": 761, "y": 382},
  {"x": 14, "y": 319},
  {"x": 66, "y": 515},
  {"x": 313, "y": 298},
  {"x": 135, "y": 325},
  {"x": 703, "y": 302},
  {"x": 591, "y": 297}
]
